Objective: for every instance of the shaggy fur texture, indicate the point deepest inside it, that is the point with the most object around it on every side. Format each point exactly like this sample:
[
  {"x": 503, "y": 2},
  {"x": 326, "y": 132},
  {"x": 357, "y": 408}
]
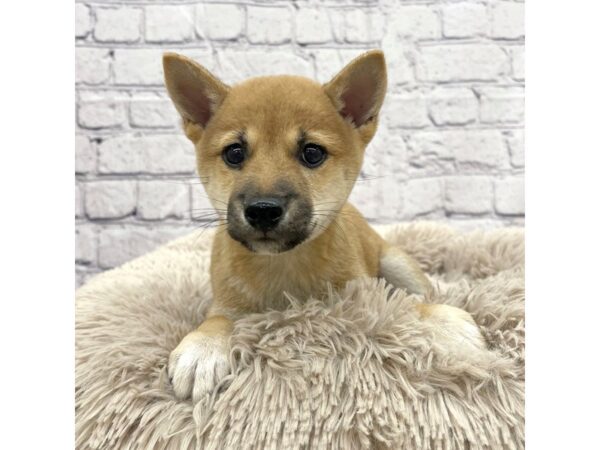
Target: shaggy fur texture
[{"x": 357, "y": 369}]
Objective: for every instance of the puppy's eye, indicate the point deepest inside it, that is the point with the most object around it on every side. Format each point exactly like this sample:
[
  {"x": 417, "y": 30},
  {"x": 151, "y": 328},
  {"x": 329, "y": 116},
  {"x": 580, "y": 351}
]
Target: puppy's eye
[
  {"x": 234, "y": 155},
  {"x": 313, "y": 155}
]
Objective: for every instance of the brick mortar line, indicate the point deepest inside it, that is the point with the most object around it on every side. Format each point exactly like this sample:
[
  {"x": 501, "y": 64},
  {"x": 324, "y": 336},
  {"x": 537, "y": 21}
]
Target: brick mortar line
[
  {"x": 138, "y": 132},
  {"x": 158, "y": 89},
  {"x": 265, "y": 3},
  {"x": 141, "y": 132},
  {"x": 400, "y": 89},
  {"x": 243, "y": 45},
  {"x": 83, "y": 178},
  {"x": 127, "y": 224}
]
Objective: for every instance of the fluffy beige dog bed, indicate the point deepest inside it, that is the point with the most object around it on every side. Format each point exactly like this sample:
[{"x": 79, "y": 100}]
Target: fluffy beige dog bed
[{"x": 354, "y": 370}]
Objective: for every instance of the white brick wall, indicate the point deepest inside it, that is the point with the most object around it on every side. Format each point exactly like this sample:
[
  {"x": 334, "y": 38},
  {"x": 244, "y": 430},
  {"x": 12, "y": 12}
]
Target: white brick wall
[{"x": 450, "y": 144}]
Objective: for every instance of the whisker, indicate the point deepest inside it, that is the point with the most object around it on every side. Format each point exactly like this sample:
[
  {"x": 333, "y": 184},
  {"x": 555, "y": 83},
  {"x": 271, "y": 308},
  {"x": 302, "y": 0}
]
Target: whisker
[
  {"x": 331, "y": 223},
  {"x": 209, "y": 209},
  {"x": 207, "y": 226},
  {"x": 212, "y": 199},
  {"x": 336, "y": 212},
  {"x": 205, "y": 217}
]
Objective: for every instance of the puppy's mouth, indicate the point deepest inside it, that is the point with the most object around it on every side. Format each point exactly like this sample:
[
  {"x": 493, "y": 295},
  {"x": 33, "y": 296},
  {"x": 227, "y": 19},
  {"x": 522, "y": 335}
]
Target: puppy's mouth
[
  {"x": 272, "y": 242},
  {"x": 266, "y": 239}
]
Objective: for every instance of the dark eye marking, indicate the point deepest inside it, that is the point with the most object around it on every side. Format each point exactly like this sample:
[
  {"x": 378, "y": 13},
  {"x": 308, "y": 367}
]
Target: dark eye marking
[
  {"x": 312, "y": 155},
  {"x": 234, "y": 155}
]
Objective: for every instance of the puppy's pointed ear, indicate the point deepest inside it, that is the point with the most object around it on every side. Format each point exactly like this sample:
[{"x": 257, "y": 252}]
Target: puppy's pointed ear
[
  {"x": 195, "y": 92},
  {"x": 358, "y": 90}
]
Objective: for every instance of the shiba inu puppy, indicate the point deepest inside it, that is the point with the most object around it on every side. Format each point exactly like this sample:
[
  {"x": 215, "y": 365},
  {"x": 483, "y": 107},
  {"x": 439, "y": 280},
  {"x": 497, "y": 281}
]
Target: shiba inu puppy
[{"x": 278, "y": 157}]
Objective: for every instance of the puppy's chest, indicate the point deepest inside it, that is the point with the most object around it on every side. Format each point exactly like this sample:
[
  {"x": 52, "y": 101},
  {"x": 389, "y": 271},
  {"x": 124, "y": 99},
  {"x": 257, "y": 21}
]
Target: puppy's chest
[
  {"x": 266, "y": 285},
  {"x": 268, "y": 288}
]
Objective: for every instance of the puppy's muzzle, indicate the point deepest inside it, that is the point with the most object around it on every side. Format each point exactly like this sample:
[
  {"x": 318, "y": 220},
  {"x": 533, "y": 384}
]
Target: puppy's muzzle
[{"x": 264, "y": 214}]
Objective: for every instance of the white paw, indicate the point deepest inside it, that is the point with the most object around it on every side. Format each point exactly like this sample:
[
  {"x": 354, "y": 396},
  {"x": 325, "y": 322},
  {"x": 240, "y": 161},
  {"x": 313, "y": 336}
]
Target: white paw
[
  {"x": 197, "y": 365},
  {"x": 454, "y": 329}
]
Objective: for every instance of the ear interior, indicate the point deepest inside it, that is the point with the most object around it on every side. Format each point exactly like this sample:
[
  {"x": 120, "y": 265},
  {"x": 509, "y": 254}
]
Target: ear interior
[
  {"x": 195, "y": 92},
  {"x": 358, "y": 89}
]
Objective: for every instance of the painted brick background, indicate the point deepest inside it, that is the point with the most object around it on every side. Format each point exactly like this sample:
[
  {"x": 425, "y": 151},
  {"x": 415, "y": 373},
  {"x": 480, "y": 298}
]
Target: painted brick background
[{"x": 449, "y": 146}]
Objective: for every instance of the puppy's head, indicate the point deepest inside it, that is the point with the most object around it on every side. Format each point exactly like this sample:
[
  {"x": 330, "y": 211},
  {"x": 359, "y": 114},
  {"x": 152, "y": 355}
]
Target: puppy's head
[{"x": 278, "y": 155}]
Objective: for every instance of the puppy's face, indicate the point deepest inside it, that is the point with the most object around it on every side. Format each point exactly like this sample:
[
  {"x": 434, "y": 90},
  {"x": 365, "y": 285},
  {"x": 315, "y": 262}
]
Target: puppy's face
[{"x": 278, "y": 156}]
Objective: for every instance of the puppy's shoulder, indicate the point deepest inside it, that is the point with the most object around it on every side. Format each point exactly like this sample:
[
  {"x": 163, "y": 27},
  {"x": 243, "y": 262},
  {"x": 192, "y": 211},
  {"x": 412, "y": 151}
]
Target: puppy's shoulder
[{"x": 359, "y": 238}]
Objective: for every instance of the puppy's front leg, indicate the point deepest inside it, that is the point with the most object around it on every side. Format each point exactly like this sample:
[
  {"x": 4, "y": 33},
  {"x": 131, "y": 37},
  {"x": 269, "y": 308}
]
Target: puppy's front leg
[
  {"x": 402, "y": 271},
  {"x": 201, "y": 359}
]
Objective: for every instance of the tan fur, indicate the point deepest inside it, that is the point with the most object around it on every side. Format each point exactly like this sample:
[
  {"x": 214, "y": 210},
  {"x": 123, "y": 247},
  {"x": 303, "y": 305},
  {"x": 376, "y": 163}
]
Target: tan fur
[
  {"x": 216, "y": 326},
  {"x": 273, "y": 114},
  {"x": 246, "y": 282}
]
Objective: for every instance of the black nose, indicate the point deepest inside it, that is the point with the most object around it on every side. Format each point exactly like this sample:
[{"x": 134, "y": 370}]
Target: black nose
[{"x": 264, "y": 214}]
